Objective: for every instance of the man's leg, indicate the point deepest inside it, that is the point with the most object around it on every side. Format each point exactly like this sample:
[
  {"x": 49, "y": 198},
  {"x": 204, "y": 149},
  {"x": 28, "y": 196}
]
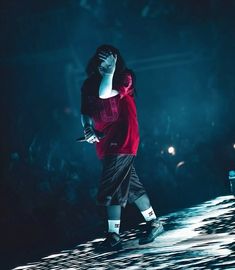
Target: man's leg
[
  {"x": 139, "y": 197},
  {"x": 114, "y": 217},
  {"x": 113, "y": 193},
  {"x": 143, "y": 204},
  {"x": 113, "y": 240},
  {"x": 153, "y": 225}
]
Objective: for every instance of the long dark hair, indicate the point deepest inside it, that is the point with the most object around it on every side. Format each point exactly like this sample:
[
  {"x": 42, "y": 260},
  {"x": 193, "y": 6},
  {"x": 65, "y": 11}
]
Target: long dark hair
[{"x": 94, "y": 62}]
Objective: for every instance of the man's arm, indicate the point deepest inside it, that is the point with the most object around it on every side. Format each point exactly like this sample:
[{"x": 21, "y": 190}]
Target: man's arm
[
  {"x": 105, "y": 89},
  {"x": 107, "y": 69},
  {"x": 89, "y": 132},
  {"x": 86, "y": 120}
]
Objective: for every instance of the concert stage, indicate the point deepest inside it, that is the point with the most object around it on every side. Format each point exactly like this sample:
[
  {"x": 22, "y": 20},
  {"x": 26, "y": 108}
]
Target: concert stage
[{"x": 200, "y": 237}]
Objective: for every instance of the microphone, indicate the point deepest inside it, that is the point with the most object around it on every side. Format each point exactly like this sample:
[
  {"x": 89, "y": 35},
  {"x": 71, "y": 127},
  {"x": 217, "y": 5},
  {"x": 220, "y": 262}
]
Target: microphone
[{"x": 99, "y": 134}]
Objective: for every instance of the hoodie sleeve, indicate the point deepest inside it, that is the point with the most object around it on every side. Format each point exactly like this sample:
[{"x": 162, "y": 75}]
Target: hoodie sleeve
[{"x": 125, "y": 86}]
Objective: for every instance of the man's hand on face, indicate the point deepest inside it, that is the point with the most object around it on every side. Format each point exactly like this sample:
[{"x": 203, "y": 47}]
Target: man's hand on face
[{"x": 108, "y": 63}]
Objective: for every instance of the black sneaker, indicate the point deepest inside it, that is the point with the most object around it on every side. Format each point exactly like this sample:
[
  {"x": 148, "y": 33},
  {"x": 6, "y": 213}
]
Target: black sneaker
[
  {"x": 153, "y": 229},
  {"x": 112, "y": 242}
]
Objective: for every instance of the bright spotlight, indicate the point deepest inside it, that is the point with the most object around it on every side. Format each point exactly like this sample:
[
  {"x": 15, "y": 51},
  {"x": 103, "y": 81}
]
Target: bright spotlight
[
  {"x": 234, "y": 145},
  {"x": 171, "y": 150}
]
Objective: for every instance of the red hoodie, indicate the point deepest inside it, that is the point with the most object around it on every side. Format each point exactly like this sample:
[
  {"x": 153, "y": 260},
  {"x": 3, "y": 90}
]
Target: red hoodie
[{"x": 116, "y": 117}]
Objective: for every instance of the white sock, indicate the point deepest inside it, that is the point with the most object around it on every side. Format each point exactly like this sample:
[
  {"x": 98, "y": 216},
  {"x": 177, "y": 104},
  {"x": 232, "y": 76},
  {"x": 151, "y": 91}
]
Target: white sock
[
  {"x": 114, "y": 226},
  {"x": 148, "y": 214}
]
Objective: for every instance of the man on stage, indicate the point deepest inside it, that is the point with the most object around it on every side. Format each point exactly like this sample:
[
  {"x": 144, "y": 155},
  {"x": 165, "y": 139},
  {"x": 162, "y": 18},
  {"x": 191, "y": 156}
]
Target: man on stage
[{"x": 108, "y": 107}]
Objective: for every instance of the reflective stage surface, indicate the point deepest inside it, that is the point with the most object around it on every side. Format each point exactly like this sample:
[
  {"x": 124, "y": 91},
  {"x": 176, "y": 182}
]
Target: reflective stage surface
[{"x": 200, "y": 237}]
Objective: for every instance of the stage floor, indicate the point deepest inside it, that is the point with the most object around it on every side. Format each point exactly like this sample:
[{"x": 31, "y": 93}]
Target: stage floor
[{"x": 200, "y": 237}]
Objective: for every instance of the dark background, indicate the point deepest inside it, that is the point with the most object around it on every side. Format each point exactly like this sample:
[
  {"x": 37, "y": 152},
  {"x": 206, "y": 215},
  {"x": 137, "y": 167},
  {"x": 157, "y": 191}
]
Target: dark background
[{"x": 183, "y": 55}]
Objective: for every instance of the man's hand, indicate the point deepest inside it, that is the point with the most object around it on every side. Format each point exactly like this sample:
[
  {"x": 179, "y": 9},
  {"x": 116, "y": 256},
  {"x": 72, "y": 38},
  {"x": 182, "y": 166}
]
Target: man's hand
[
  {"x": 108, "y": 63},
  {"x": 90, "y": 135}
]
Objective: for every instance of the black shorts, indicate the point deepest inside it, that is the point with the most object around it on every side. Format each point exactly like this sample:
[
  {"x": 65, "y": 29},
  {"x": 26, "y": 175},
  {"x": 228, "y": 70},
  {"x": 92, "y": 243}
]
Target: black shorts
[{"x": 119, "y": 182}]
